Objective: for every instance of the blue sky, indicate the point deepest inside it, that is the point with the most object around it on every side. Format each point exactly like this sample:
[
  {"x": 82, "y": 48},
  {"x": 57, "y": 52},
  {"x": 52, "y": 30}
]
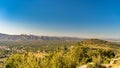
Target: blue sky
[{"x": 76, "y": 18}]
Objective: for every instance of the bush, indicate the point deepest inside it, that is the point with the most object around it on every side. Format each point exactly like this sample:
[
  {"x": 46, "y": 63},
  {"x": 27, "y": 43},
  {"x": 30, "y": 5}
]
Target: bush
[{"x": 72, "y": 58}]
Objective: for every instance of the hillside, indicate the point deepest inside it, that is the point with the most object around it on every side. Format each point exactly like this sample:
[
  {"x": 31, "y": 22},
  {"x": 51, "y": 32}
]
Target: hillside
[
  {"x": 58, "y": 54},
  {"x": 90, "y": 52},
  {"x": 101, "y": 41},
  {"x": 97, "y": 43}
]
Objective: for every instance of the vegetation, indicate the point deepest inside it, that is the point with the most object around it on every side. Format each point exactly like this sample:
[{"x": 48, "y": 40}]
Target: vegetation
[{"x": 61, "y": 54}]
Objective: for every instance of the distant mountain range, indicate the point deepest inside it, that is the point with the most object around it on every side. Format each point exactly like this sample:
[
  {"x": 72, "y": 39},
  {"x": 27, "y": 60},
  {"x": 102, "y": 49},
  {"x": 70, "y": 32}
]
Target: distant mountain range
[{"x": 25, "y": 37}]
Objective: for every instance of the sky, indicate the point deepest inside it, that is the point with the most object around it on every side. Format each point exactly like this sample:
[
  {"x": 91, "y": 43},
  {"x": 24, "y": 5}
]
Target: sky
[{"x": 74, "y": 18}]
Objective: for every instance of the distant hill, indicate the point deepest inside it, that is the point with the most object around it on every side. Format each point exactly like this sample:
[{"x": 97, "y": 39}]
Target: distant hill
[
  {"x": 25, "y": 37},
  {"x": 22, "y": 37},
  {"x": 95, "y": 41}
]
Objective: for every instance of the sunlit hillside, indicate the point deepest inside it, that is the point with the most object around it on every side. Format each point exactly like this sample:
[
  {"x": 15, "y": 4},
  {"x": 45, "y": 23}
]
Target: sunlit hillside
[{"x": 91, "y": 53}]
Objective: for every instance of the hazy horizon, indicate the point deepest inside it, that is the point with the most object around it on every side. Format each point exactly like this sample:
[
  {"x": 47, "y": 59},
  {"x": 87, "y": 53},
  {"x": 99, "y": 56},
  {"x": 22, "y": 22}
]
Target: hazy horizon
[{"x": 84, "y": 18}]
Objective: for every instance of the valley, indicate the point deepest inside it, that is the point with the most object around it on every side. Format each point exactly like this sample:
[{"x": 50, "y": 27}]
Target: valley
[{"x": 60, "y": 53}]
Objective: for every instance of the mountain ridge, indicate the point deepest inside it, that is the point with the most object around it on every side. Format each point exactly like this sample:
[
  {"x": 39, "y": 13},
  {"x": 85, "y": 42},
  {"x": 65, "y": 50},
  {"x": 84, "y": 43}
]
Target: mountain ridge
[{"x": 25, "y": 37}]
